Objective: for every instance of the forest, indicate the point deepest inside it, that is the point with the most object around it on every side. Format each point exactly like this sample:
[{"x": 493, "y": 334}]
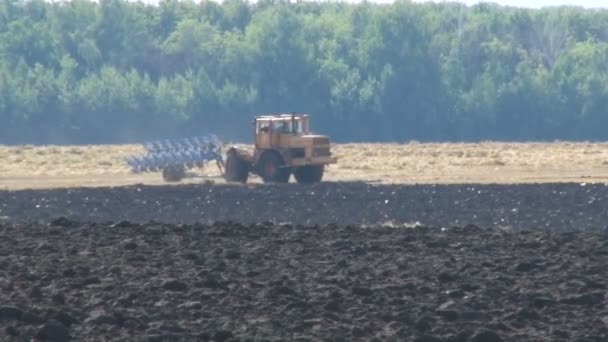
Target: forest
[{"x": 114, "y": 71}]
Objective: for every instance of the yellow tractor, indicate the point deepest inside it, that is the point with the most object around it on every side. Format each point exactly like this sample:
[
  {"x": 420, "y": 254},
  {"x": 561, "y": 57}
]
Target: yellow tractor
[{"x": 284, "y": 145}]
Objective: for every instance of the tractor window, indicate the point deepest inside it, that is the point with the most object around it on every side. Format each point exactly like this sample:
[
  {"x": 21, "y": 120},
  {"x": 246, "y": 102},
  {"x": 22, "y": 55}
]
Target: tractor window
[
  {"x": 297, "y": 126},
  {"x": 282, "y": 126},
  {"x": 288, "y": 126},
  {"x": 263, "y": 126}
]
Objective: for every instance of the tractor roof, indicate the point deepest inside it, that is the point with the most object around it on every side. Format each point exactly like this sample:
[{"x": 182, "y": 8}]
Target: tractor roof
[{"x": 280, "y": 117}]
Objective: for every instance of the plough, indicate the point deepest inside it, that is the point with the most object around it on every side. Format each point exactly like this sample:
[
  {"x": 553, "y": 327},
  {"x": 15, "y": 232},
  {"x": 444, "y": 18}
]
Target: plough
[{"x": 173, "y": 157}]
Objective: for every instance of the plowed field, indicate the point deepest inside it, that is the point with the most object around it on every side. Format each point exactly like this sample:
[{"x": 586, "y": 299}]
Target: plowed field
[
  {"x": 223, "y": 282},
  {"x": 334, "y": 261}
]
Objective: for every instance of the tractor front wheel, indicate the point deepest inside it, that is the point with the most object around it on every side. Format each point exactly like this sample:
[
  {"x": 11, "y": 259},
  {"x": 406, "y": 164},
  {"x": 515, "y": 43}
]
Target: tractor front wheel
[
  {"x": 309, "y": 174},
  {"x": 272, "y": 169}
]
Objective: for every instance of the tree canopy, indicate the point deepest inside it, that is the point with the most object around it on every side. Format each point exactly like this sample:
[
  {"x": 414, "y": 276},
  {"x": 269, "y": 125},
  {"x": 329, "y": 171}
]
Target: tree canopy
[{"x": 115, "y": 71}]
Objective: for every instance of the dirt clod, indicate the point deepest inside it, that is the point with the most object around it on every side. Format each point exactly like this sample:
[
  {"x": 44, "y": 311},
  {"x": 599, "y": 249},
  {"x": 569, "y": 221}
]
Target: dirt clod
[
  {"x": 54, "y": 331},
  {"x": 10, "y": 313},
  {"x": 486, "y": 336},
  {"x": 174, "y": 285}
]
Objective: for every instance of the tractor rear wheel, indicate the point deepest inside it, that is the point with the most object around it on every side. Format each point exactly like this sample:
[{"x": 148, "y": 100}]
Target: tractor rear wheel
[
  {"x": 174, "y": 173},
  {"x": 237, "y": 169},
  {"x": 309, "y": 174},
  {"x": 272, "y": 169}
]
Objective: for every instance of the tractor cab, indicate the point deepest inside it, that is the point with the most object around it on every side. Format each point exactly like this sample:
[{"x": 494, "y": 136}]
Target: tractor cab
[
  {"x": 281, "y": 131},
  {"x": 282, "y": 124}
]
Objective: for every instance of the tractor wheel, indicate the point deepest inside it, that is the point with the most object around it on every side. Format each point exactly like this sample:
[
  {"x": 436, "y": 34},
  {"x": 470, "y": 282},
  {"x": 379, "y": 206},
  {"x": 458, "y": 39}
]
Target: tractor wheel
[
  {"x": 309, "y": 174},
  {"x": 271, "y": 168},
  {"x": 174, "y": 173},
  {"x": 237, "y": 169}
]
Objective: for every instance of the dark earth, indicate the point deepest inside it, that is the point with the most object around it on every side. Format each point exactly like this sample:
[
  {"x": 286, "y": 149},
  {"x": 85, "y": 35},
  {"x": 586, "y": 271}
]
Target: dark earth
[
  {"x": 334, "y": 261},
  {"x": 563, "y": 207}
]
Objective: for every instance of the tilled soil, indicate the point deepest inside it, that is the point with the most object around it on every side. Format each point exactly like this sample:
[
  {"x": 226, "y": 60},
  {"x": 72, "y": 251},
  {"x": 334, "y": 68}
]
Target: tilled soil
[
  {"x": 564, "y": 207},
  {"x": 334, "y": 261},
  {"x": 154, "y": 282}
]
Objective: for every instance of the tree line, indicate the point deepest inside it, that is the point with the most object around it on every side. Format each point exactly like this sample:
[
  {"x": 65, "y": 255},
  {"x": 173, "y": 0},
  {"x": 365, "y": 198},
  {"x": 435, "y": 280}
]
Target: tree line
[{"x": 115, "y": 71}]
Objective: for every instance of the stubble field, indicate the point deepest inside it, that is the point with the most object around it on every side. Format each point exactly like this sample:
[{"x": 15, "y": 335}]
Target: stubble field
[
  {"x": 414, "y": 163},
  {"x": 418, "y": 242}
]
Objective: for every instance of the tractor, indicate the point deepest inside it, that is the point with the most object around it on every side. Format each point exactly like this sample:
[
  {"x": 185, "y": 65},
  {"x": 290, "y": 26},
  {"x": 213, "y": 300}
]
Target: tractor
[{"x": 284, "y": 145}]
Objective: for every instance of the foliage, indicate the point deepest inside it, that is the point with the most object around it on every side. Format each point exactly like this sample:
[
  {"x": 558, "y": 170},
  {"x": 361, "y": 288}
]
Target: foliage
[{"x": 86, "y": 71}]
